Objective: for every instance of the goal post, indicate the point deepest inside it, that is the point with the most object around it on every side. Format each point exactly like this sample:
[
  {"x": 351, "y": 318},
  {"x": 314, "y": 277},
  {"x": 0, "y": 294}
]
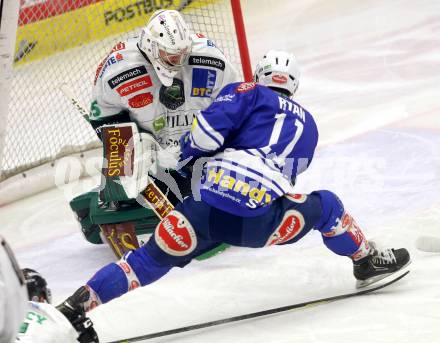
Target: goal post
[
  {"x": 63, "y": 42},
  {"x": 8, "y": 28}
]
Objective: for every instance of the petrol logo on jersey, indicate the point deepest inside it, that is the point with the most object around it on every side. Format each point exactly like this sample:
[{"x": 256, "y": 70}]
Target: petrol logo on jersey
[
  {"x": 140, "y": 100},
  {"x": 175, "y": 235},
  {"x": 245, "y": 87},
  {"x": 127, "y": 75},
  {"x": 203, "y": 82},
  {"x": 290, "y": 227},
  {"x": 253, "y": 196},
  {"x": 134, "y": 86}
]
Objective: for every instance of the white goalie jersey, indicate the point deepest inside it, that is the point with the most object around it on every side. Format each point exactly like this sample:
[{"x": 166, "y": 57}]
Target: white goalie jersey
[{"x": 126, "y": 81}]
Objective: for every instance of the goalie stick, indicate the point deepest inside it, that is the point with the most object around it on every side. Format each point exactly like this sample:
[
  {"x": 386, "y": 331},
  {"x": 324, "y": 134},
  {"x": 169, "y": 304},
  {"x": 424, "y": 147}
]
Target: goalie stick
[{"x": 263, "y": 313}]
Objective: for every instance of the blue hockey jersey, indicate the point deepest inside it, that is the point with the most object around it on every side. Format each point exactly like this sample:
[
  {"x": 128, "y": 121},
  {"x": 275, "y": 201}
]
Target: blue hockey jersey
[{"x": 254, "y": 142}]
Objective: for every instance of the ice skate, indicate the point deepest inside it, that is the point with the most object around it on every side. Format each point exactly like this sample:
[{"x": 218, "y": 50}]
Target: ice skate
[{"x": 379, "y": 264}]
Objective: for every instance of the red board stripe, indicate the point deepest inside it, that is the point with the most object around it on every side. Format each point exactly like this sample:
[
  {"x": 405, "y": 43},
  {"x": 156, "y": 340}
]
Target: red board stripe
[{"x": 36, "y": 10}]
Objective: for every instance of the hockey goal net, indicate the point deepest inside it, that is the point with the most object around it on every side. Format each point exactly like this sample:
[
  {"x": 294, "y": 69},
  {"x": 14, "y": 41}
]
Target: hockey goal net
[{"x": 59, "y": 41}]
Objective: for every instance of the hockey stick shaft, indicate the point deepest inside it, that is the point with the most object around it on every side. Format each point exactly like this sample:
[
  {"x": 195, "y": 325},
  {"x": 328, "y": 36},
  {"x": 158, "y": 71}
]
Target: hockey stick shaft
[
  {"x": 73, "y": 100},
  {"x": 258, "y": 314}
]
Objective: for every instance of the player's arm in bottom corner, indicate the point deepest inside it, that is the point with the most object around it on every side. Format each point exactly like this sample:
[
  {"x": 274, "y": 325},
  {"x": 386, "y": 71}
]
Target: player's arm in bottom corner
[{"x": 44, "y": 323}]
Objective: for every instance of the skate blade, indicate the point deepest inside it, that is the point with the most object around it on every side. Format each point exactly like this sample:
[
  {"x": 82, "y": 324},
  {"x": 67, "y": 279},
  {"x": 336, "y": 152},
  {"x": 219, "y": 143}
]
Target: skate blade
[{"x": 375, "y": 279}]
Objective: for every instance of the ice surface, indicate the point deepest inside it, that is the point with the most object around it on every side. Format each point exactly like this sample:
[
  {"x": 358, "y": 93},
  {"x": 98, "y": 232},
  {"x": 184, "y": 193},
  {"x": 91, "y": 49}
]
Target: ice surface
[{"x": 370, "y": 73}]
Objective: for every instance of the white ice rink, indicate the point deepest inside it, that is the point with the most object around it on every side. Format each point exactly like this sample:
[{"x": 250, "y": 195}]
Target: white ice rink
[{"x": 370, "y": 74}]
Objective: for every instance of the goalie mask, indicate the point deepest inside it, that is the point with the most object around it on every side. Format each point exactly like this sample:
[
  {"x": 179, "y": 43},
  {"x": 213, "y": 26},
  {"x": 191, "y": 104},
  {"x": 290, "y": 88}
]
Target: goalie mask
[
  {"x": 279, "y": 71},
  {"x": 37, "y": 286},
  {"x": 167, "y": 44}
]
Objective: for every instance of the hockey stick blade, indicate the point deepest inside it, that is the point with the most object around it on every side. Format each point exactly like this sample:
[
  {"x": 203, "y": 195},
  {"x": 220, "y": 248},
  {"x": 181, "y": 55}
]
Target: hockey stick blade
[{"x": 260, "y": 313}]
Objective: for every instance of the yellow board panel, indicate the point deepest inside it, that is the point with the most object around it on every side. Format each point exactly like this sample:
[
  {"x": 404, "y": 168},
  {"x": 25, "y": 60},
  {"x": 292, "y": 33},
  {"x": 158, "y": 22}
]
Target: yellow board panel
[{"x": 90, "y": 23}]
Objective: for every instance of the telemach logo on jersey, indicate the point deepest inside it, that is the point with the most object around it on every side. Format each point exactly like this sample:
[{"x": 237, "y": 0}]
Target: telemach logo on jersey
[
  {"x": 207, "y": 61},
  {"x": 127, "y": 75},
  {"x": 175, "y": 235}
]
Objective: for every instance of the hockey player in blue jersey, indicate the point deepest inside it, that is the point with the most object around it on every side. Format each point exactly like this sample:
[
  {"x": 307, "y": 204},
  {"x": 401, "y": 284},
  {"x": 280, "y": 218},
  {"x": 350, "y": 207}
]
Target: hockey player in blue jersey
[{"x": 245, "y": 150}]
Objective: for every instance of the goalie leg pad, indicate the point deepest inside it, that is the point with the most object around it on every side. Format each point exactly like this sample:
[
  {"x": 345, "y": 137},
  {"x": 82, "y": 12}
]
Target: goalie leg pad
[
  {"x": 340, "y": 232},
  {"x": 136, "y": 268}
]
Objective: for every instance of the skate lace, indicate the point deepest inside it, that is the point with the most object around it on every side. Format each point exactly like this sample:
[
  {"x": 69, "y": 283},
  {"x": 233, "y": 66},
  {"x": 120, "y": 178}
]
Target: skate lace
[{"x": 384, "y": 257}]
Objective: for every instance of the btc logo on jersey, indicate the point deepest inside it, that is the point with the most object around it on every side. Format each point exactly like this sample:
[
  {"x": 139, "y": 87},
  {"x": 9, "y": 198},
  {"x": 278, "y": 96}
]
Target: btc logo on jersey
[
  {"x": 203, "y": 82},
  {"x": 175, "y": 235},
  {"x": 290, "y": 227}
]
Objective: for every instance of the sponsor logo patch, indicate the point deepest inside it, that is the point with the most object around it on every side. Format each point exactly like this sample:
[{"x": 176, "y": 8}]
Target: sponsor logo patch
[
  {"x": 106, "y": 61},
  {"x": 346, "y": 220},
  {"x": 133, "y": 285},
  {"x": 356, "y": 234},
  {"x": 118, "y": 151},
  {"x": 134, "y": 86},
  {"x": 203, "y": 82},
  {"x": 110, "y": 61},
  {"x": 279, "y": 79},
  {"x": 207, "y": 62},
  {"x": 225, "y": 98},
  {"x": 175, "y": 235},
  {"x": 290, "y": 227},
  {"x": 245, "y": 87},
  {"x": 127, "y": 75},
  {"x": 298, "y": 198},
  {"x": 125, "y": 267},
  {"x": 253, "y": 194},
  {"x": 159, "y": 124},
  {"x": 140, "y": 100},
  {"x": 119, "y": 46}
]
